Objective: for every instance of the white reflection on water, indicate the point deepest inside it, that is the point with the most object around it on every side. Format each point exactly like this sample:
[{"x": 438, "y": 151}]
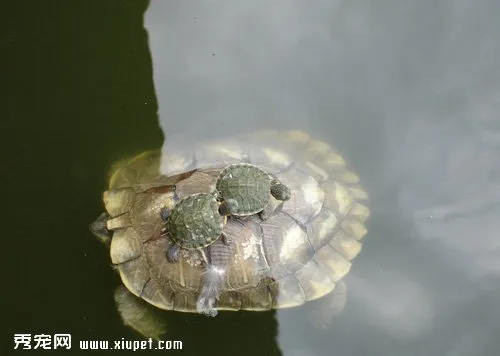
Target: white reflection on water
[
  {"x": 411, "y": 90},
  {"x": 402, "y": 308}
]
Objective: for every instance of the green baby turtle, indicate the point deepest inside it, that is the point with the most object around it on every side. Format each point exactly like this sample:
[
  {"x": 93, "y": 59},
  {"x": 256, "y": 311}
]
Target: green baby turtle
[
  {"x": 196, "y": 222},
  {"x": 252, "y": 188}
]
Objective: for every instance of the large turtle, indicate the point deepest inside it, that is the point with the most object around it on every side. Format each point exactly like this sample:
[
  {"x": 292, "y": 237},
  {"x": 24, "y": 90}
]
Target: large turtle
[
  {"x": 298, "y": 254},
  {"x": 251, "y": 188}
]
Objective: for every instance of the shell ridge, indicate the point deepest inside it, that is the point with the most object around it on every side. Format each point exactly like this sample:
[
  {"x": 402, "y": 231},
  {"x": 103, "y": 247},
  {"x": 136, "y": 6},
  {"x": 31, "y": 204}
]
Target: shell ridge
[
  {"x": 144, "y": 287},
  {"x": 121, "y": 263}
]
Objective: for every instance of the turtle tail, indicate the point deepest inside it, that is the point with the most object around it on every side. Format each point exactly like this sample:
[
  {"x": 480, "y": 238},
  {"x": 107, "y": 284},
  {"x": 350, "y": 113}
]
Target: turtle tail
[{"x": 211, "y": 281}]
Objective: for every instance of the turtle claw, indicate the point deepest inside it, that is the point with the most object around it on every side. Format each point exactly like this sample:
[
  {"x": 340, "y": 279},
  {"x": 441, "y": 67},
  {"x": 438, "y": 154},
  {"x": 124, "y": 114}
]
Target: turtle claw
[{"x": 173, "y": 253}]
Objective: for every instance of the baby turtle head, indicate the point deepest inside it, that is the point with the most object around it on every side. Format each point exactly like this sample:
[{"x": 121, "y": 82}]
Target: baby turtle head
[
  {"x": 228, "y": 207},
  {"x": 280, "y": 191}
]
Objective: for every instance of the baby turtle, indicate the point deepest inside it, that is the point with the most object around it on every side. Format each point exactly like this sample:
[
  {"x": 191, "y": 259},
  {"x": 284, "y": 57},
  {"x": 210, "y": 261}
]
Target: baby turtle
[
  {"x": 251, "y": 187},
  {"x": 196, "y": 222}
]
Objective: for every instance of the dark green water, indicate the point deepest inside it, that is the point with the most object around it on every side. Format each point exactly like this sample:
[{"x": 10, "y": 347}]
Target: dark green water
[
  {"x": 80, "y": 97},
  {"x": 407, "y": 93}
]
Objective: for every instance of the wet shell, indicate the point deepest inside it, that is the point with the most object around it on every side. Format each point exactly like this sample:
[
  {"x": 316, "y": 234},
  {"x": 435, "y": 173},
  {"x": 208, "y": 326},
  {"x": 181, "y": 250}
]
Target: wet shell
[
  {"x": 299, "y": 254},
  {"x": 249, "y": 185},
  {"x": 195, "y": 221}
]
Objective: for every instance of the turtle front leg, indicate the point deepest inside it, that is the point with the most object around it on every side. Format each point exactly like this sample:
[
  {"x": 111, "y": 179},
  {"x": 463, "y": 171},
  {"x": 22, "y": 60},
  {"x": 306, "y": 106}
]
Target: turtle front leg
[
  {"x": 173, "y": 253},
  {"x": 100, "y": 229},
  {"x": 280, "y": 191},
  {"x": 164, "y": 213}
]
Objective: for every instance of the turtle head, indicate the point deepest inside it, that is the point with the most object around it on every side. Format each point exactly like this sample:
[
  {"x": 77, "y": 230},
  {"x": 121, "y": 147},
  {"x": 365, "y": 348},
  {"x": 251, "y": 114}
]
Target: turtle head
[
  {"x": 100, "y": 229},
  {"x": 228, "y": 207},
  {"x": 280, "y": 191}
]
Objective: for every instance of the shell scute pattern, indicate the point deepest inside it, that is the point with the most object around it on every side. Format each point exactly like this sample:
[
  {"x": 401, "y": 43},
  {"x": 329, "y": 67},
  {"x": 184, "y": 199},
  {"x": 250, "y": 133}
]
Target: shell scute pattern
[
  {"x": 247, "y": 184},
  {"x": 296, "y": 255},
  {"x": 195, "y": 222}
]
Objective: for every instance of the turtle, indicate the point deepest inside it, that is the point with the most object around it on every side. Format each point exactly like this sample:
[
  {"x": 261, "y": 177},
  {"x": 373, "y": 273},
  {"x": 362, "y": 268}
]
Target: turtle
[
  {"x": 195, "y": 222},
  {"x": 299, "y": 254},
  {"x": 251, "y": 187}
]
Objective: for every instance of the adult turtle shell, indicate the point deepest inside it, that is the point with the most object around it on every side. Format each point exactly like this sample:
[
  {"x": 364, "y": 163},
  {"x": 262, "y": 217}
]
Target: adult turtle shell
[{"x": 297, "y": 255}]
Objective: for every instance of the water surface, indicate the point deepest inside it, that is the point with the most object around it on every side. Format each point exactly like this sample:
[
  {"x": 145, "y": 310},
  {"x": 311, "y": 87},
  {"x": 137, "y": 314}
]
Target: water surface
[{"x": 407, "y": 92}]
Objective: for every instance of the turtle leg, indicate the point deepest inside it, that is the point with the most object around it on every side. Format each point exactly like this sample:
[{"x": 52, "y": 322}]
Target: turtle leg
[
  {"x": 266, "y": 212},
  {"x": 164, "y": 213},
  {"x": 226, "y": 240},
  {"x": 100, "y": 230},
  {"x": 326, "y": 308},
  {"x": 139, "y": 315},
  {"x": 173, "y": 253},
  {"x": 280, "y": 191},
  {"x": 271, "y": 208}
]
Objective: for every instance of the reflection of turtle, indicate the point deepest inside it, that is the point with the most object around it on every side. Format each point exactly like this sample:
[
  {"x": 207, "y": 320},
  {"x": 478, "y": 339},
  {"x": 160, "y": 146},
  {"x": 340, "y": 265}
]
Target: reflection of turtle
[
  {"x": 251, "y": 187},
  {"x": 195, "y": 222},
  {"x": 299, "y": 254}
]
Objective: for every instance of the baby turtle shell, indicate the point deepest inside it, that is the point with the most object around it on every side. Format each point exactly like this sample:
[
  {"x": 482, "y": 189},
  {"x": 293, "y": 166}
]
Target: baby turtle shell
[
  {"x": 249, "y": 185},
  {"x": 195, "y": 222}
]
